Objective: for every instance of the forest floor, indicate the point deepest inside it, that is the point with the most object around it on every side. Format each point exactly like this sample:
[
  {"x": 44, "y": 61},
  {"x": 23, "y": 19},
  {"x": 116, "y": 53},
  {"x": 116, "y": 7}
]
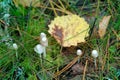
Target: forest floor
[{"x": 22, "y": 52}]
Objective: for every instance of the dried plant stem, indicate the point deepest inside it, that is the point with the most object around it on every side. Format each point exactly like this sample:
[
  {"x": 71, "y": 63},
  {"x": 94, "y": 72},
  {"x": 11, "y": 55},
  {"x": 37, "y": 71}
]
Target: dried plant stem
[
  {"x": 57, "y": 9},
  {"x": 58, "y": 6},
  {"x": 61, "y": 4},
  {"x": 98, "y": 6},
  {"x": 85, "y": 70},
  {"x": 104, "y": 62},
  {"x": 106, "y": 54},
  {"x": 53, "y": 8}
]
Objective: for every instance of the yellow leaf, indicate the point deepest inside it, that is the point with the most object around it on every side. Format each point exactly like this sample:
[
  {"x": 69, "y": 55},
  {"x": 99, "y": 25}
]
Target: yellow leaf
[
  {"x": 103, "y": 26},
  {"x": 69, "y": 30}
]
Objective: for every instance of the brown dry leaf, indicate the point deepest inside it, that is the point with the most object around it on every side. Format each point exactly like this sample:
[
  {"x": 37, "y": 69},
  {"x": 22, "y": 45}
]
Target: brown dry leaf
[
  {"x": 69, "y": 30},
  {"x": 103, "y": 26}
]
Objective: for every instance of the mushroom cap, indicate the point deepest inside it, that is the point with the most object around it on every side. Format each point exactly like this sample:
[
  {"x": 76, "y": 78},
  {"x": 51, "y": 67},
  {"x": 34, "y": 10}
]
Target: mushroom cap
[
  {"x": 94, "y": 53},
  {"x": 39, "y": 49},
  {"x": 42, "y": 34},
  {"x": 79, "y": 52},
  {"x": 15, "y": 46},
  {"x": 44, "y": 42},
  {"x": 69, "y": 30},
  {"x": 43, "y": 39}
]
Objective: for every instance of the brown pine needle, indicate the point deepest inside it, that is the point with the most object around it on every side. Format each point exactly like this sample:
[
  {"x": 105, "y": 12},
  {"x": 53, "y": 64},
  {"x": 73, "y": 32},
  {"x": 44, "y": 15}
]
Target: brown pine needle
[{"x": 85, "y": 70}]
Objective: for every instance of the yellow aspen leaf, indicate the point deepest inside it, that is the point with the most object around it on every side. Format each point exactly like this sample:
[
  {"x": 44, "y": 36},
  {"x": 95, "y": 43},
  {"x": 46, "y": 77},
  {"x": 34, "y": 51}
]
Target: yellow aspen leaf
[
  {"x": 69, "y": 30},
  {"x": 103, "y": 26}
]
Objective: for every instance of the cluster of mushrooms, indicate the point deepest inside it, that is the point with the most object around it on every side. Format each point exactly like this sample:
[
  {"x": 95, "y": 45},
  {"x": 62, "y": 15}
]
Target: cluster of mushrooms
[
  {"x": 94, "y": 55},
  {"x": 41, "y": 48},
  {"x": 68, "y": 30}
]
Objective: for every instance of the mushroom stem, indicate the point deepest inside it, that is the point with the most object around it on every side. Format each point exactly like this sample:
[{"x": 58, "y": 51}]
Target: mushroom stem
[
  {"x": 79, "y": 53},
  {"x": 44, "y": 52},
  {"x": 95, "y": 55},
  {"x": 44, "y": 43},
  {"x": 79, "y": 60},
  {"x": 95, "y": 63},
  {"x": 16, "y": 54},
  {"x": 15, "y": 48}
]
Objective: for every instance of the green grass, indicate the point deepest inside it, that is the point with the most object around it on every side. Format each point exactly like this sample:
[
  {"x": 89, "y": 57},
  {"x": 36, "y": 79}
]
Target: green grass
[{"x": 26, "y": 24}]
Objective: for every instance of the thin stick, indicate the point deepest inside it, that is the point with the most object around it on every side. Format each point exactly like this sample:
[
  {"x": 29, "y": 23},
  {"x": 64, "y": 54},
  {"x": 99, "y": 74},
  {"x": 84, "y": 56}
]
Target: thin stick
[
  {"x": 57, "y": 9},
  {"x": 61, "y": 4},
  {"x": 53, "y": 7},
  {"x": 85, "y": 70}
]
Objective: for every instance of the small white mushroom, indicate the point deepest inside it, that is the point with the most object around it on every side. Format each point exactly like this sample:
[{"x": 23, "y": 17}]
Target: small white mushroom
[
  {"x": 44, "y": 42},
  {"x": 79, "y": 53},
  {"x": 39, "y": 49},
  {"x": 16, "y": 48},
  {"x": 95, "y": 55}
]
